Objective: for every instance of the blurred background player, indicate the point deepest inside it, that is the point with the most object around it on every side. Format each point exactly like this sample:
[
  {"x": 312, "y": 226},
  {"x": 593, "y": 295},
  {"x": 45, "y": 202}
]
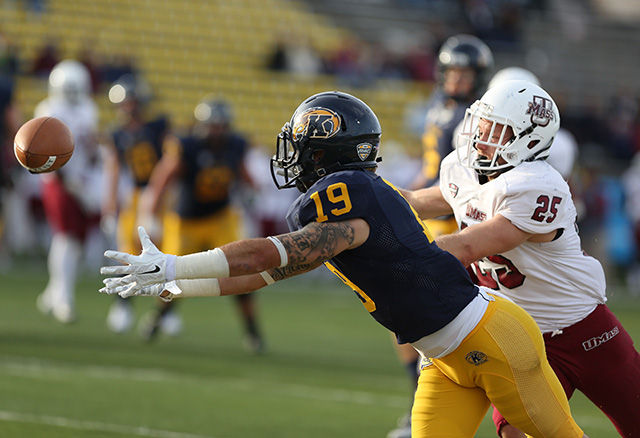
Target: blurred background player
[
  {"x": 9, "y": 124},
  {"x": 134, "y": 149},
  {"x": 71, "y": 196},
  {"x": 207, "y": 165},
  {"x": 463, "y": 63}
]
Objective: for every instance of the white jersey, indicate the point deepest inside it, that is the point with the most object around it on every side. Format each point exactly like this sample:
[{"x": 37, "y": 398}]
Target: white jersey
[
  {"x": 554, "y": 281},
  {"x": 270, "y": 202},
  {"x": 82, "y": 173},
  {"x": 82, "y": 120}
]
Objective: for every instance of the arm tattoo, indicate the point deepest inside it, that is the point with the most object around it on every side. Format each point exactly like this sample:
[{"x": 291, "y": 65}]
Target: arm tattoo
[{"x": 309, "y": 247}]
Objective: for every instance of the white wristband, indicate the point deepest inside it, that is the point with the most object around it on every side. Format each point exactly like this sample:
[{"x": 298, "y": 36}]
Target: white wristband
[
  {"x": 284, "y": 259},
  {"x": 170, "y": 267},
  {"x": 207, "y": 264},
  {"x": 201, "y": 287},
  {"x": 267, "y": 278}
]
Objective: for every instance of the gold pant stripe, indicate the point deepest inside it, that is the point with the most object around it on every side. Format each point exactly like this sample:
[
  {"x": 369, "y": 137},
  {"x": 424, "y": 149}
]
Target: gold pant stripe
[{"x": 127, "y": 234}]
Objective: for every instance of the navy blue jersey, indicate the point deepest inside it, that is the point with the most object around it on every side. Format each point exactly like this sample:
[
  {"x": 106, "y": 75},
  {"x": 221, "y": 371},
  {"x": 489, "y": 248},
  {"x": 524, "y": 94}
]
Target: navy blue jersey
[
  {"x": 442, "y": 117},
  {"x": 404, "y": 280},
  {"x": 140, "y": 150},
  {"x": 208, "y": 174},
  {"x": 6, "y": 158}
]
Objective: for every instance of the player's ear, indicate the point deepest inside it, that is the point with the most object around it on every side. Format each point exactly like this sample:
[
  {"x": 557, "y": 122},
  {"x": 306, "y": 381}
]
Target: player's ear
[{"x": 317, "y": 156}]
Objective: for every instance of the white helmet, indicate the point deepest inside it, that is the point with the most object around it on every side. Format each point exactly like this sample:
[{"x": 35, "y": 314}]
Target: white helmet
[
  {"x": 527, "y": 109},
  {"x": 513, "y": 74},
  {"x": 70, "y": 81}
]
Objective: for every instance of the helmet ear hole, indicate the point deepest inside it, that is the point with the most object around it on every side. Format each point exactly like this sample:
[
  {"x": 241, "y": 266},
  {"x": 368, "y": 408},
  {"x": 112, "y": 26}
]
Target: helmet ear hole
[
  {"x": 317, "y": 156},
  {"x": 532, "y": 144}
]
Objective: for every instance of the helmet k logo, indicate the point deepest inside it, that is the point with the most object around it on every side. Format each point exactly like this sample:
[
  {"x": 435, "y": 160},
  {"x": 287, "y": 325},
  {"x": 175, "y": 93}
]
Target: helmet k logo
[
  {"x": 541, "y": 110},
  {"x": 316, "y": 123}
]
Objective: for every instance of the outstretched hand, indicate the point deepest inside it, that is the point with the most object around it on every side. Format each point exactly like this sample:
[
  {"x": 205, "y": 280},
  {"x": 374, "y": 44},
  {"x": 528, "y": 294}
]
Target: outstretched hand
[
  {"x": 165, "y": 291},
  {"x": 146, "y": 274}
]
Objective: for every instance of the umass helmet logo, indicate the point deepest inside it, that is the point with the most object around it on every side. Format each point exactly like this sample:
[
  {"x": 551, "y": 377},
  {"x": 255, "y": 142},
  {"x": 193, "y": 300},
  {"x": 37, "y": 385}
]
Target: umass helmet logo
[
  {"x": 541, "y": 110},
  {"x": 316, "y": 123}
]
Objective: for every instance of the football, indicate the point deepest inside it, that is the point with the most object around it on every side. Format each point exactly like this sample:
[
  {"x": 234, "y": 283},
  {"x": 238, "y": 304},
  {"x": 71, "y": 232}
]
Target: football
[{"x": 43, "y": 144}]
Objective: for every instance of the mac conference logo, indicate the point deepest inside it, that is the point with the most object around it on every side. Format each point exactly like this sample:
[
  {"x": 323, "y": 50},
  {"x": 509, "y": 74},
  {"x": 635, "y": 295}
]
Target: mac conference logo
[{"x": 364, "y": 150}]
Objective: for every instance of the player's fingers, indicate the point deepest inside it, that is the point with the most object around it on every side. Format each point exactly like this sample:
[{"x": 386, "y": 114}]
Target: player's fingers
[
  {"x": 145, "y": 240},
  {"x": 117, "y": 270},
  {"x": 112, "y": 282},
  {"x": 112, "y": 289},
  {"x": 128, "y": 290},
  {"x": 109, "y": 287},
  {"x": 121, "y": 257},
  {"x": 106, "y": 290},
  {"x": 124, "y": 288}
]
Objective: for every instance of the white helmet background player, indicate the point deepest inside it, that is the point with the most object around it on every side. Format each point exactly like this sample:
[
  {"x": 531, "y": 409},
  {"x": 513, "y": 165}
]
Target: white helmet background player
[
  {"x": 513, "y": 74},
  {"x": 69, "y": 80},
  {"x": 527, "y": 109}
]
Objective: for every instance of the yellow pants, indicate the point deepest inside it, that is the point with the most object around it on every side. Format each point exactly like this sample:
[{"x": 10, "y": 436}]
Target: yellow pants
[
  {"x": 439, "y": 227},
  {"x": 502, "y": 361},
  {"x": 184, "y": 236},
  {"x": 127, "y": 234}
]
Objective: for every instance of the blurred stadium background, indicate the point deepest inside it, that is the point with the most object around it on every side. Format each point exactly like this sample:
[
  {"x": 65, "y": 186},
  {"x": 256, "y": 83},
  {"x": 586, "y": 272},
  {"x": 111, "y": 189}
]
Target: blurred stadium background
[{"x": 329, "y": 371}]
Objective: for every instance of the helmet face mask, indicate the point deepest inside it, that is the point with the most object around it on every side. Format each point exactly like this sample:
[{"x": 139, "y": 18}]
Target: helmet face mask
[
  {"x": 522, "y": 106},
  {"x": 285, "y": 163},
  {"x": 328, "y": 132}
]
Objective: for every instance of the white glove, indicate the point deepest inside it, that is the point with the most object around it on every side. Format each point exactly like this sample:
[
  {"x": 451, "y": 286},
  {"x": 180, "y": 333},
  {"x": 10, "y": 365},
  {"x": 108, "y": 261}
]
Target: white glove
[
  {"x": 151, "y": 267},
  {"x": 165, "y": 291}
]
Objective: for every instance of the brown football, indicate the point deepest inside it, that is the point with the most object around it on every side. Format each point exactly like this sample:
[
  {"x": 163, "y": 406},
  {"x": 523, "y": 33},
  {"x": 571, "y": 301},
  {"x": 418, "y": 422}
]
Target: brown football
[{"x": 43, "y": 144}]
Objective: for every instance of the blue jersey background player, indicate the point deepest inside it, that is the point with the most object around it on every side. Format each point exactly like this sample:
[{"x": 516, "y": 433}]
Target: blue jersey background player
[
  {"x": 463, "y": 64},
  {"x": 134, "y": 147},
  {"x": 478, "y": 348},
  {"x": 208, "y": 167}
]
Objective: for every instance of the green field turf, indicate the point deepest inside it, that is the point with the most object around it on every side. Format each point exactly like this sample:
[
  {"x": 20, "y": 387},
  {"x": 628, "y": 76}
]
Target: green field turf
[{"x": 330, "y": 370}]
